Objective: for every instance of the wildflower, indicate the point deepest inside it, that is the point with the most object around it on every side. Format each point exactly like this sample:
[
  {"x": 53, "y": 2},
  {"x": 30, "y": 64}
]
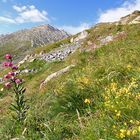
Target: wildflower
[
  {"x": 7, "y": 76},
  {"x": 122, "y": 135},
  {"x": 8, "y": 56},
  {"x": 118, "y": 114},
  {"x": 18, "y": 81},
  {"x": 134, "y": 132},
  {"x": 114, "y": 126},
  {"x": 128, "y": 133},
  {"x": 8, "y": 85},
  {"x": 131, "y": 121},
  {"x": 123, "y": 130},
  {"x": 87, "y": 101},
  {"x": 7, "y": 64},
  {"x": 11, "y": 73},
  {"x": 14, "y": 67},
  {"x": 113, "y": 86},
  {"x": 125, "y": 123},
  {"x": 139, "y": 128},
  {"x": 129, "y": 66},
  {"x": 20, "y": 106}
]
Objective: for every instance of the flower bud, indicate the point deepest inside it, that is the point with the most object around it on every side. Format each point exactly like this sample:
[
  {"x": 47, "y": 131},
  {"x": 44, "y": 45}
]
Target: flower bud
[
  {"x": 7, "y": 76},
  {"x": 8, "y": 85},
  {"x": 18, "y": 81},
  {"x": 11, "y": 73},
  {"x": 7, "y": 64},
  {"x": 14, "y": 67},
  {"x": 8, "y": 56}
]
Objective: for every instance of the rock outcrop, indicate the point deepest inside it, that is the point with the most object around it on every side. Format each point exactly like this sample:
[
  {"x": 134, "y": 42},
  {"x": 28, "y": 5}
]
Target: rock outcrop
[
  {"x": 56, "y": 74},
  {"x": 80, "y": 37},
  {"x": 61, "y": 53}
]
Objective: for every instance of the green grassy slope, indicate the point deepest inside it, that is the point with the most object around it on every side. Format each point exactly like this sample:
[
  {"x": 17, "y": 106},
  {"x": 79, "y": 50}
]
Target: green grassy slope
[{"x": 97, "y": 99}]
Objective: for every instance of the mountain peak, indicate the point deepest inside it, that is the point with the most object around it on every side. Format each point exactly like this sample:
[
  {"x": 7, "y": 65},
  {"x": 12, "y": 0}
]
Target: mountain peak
[{"x": 39, "y": 35}]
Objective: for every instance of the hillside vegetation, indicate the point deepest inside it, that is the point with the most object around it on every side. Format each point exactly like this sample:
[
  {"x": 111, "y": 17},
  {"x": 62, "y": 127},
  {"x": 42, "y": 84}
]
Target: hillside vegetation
[{"x": 98, "y": 99}]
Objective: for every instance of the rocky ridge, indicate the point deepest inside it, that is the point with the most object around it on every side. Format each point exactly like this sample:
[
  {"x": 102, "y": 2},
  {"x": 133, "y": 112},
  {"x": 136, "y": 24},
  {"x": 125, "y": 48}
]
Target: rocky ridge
[{"x": 36, "y": 36}]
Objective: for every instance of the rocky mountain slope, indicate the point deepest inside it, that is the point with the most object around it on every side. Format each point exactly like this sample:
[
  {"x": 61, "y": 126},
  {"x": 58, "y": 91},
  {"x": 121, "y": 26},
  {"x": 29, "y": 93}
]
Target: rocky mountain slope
[
  {"x": 37, "y": 36},
  {"x": 24, "y": 41}
]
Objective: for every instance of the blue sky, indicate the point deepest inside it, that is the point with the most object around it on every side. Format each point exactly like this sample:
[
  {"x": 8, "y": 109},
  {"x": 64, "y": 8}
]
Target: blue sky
[{"x": 70, "y": 15}]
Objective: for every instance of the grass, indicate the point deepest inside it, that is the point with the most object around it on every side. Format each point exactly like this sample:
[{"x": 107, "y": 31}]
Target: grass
[{"x": 108, "y": 77}]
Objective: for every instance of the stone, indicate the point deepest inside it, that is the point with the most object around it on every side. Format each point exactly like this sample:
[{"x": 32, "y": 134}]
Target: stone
[
  {"x": 81, "y": 36},
  {"x": 56, "y": 74},
  {"x": 106, "y": 40},
  {"x": 1, "y": 80}
]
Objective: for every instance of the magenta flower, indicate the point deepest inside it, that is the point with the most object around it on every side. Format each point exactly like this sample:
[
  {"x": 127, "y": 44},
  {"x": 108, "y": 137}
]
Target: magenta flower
[
  {"x": 18, "y": 81},
  {"x": 11, "y": 73},
  {"x": 8, "y": 85},
  {"x": 8, "y": 56},
  {"x": 7, "y": 76},
  {"x": 14, "y": 67},
  {"x": 7, "y": 64}
]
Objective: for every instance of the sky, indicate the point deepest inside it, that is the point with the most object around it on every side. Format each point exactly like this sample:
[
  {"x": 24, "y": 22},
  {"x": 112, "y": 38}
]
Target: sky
[{"x": 71, "y": 15}]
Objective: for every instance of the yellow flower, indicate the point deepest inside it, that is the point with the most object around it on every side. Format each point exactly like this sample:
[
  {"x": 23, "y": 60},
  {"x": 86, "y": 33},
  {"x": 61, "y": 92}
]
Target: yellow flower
[
  {"x": 122, "y": 135},
  {"x": 128, "y": 132},
  {"x": 134, "y": 132},
  {"x": 131, "y": 121},
  {"x": 87, "y": 101},
  {"x": 129, "y": 66},
  {"x": 114, "y": 126},
  {"x": 113, "y": 86},
  {"x": 122, "y": 131},
  {"x": 118, "y": 114},
  {"x": 125, "y": 123},
  {"x": 139, "y": 128}
]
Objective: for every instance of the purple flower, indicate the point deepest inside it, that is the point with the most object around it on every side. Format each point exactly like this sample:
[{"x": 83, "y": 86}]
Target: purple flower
[{"x": 14, "y": 67}]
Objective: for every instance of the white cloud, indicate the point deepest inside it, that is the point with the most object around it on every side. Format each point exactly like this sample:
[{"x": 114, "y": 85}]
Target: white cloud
[
  {"x": 30, "y": 14},
  {"x": 6, "y": 20},
  {"x": 115, "y": 14},
  {"x": 26, "y": 14},
  {"x": 75, "y": 29},
  {"x": 19, "y": 9}
]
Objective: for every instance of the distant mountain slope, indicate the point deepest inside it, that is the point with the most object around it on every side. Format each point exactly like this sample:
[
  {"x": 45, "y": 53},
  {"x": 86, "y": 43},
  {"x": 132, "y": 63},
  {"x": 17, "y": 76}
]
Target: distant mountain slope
[
  {"x": 39, "y": 35},
  {"x": 23, "y": 42}
]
